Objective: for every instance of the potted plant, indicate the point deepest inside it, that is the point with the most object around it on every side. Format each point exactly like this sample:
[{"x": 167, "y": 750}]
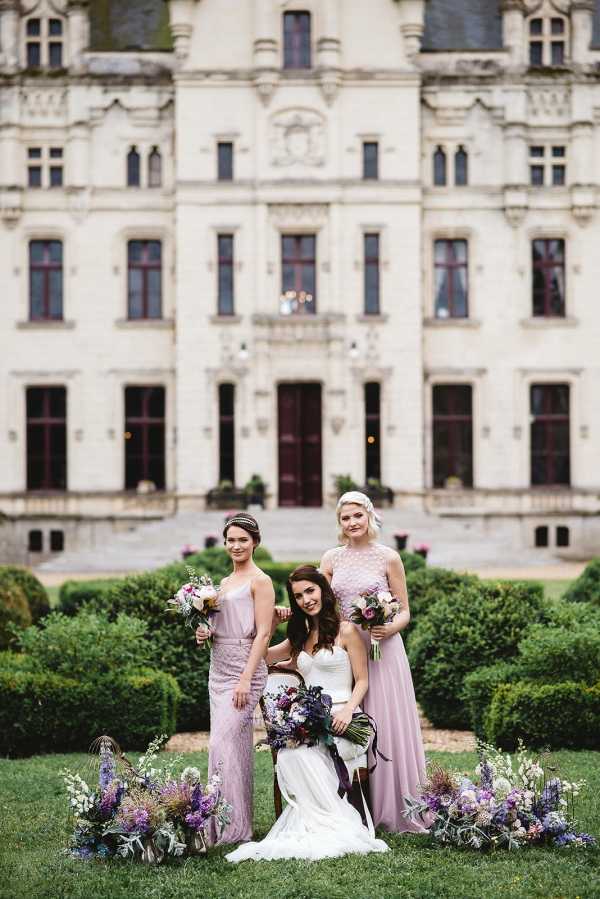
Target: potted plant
[
  {"x": 225, "y": 496},
  {"x": 422, "y": 549},
  {"x": 210, "y": 540},
  {"x": 255, "y": 491},
  {"x": 344, "y": 483},
  {"x": 453, "y": 482},
  {"x": 378, "y": 493},
  {"x": 401, "y": 538}
]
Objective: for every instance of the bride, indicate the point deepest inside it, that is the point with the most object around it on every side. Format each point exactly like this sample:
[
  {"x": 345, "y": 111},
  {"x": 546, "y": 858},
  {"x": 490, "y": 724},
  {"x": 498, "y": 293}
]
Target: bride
[{"x": 329, "y": 653}]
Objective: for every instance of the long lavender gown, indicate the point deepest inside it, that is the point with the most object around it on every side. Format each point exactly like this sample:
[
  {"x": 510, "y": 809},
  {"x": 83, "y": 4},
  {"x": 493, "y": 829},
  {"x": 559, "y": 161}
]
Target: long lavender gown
[
  {"x": 391, "y": 696},
  {"x": 231, "y": 730}
]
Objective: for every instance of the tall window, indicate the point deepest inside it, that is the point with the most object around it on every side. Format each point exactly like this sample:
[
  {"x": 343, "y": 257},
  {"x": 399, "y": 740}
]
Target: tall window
[
  {"x": 154, "y": 168},
  {"x": 225, "y": 161},
  {"x": 298, "y": 274},
  {"x": 225, "y": 298},
  {"x": 547, "y": 41},
  {"x": 44, "y": 43},
  {"x": 45, "y": 166},
  {"x": 133, "y": 168},
  {"x": 46, "y": 438},
  {"x": 370, "y": 160},
  {"x": 373, "y": 431},
  {"x": 461, "y": 167},
  {"x": 451, "y": 279},
  {"x": 45, "y": 280},
  {"x": 227, "y": 432},
  {"x": 144, "y": 436},
  {"x": 439, "y": 167},
  {"x": 371, "y": 270},
  {"x": 144, "y": 283},
  {"x": 296, "y": 40},
  {"x": 548, "y": 263},
  {"x": 547, "y": 165},
  {"x": 452, "y": 435},
  {"x": 549, "y": 434}
]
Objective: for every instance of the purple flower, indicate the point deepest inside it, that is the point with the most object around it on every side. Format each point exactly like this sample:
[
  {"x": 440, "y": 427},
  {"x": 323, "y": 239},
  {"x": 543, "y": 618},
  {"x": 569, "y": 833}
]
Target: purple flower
[
  {"x": 107, "y": 765},
  {"x": 549, "y": 798},
  {"x": 369, "y": 613},
  {"x": 195, "y": 820}
]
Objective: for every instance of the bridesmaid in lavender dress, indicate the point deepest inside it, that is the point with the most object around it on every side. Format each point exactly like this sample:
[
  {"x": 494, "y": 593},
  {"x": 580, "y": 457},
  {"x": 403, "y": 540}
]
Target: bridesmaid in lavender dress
[
  {"x": 238, "y": 673},
  {"x": 361, "y": 565}
]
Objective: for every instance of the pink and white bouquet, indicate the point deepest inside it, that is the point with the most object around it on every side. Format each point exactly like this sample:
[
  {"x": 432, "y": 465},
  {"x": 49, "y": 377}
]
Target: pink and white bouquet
[
  {"x": 374, "y": 610},
  {"x": 197, "y": 601}
]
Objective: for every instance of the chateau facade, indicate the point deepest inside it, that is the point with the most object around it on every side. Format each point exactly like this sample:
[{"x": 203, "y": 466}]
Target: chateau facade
[{"x": 299, "y": 240}]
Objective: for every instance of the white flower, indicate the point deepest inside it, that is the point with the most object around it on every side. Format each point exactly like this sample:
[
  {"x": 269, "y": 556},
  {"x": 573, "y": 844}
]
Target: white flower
[
  {"x": 361, "y": 602},
  {"x": 384, "y": 596},
  {"x": 469, "y": 795},
  {"x": 190, "y": 775},
  {"x": 502, "y": 786},
  {"x": 207, "y": 592}
]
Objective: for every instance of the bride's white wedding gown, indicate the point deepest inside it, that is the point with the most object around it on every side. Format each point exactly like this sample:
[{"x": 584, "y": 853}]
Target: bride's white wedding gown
[{"x": 316, "y": 822}]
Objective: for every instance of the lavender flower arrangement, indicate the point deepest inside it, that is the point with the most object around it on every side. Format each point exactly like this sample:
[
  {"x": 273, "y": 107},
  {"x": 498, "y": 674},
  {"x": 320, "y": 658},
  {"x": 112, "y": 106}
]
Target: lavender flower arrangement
[
  {"x": 510, "y": 807},
  {"x": 146, "y": 813}
]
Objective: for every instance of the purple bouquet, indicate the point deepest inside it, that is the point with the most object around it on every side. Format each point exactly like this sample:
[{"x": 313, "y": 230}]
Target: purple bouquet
[
  {"x": 501, "y": 808},
  {"x": 371, "y": 610}
]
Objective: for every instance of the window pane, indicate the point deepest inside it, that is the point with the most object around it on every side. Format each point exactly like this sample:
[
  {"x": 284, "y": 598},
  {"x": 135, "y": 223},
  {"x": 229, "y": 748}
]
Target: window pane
[
  {"x": 57, "y": 541},
  {"x": 370, "y": 159},
  {"x": 34, "y": 176},
  {"x": 58, "y": 440},
  {"x": 459, "y": 248},
  {"x": 37, "y": 294},
  {"x": 154, "y": 293},
  {"x": 461, "y": 167},
  {"x": 557, "y": 26},
  {"x": 133, "y": 168},
  {"x": 135, "y": 300},
  {"x": 558, "y": 175},
  {"x": 35, "y": 542},
  {"x": 34, "y": 153},
  {"x": 134, "y": 250},
  {"x": 225, "y": 298},
  {"x": 439, "y": 168},
  {"x": 57, "y": 402},
  {"x": 33, "y": 27},
  {"x": 155, "y": 400},
  {"x": 537, "y": 151},
  {"x": 56, "y": 176},
  {"x": 156, "y": 438},
  {"x": 225, "y": 246},
  {"x": 34, "y": 56},
  {"x": 154, "y": 168},
  {"x": 558, "y": 152},
  {"x": 535, "y": 53},
  {"x": 55, "y": 27},
  {"x": 224, "y": 161},
  {"x": 536, "y": 175},
  {"x": 535, "y": 26},
  {"x": 35, "y": 402},
  {"x": 442, "y": 298},
  {"x": 296, "y": 40},
  {"x": 55, "y": 55},
  {"x": 154, "y": 249},
  {"x": 36, "y": 251},
  {"x": 459, "y": 293},
  {"x": 56, "y": 293},
  {"x": 55, "y": 251},
  {"x": 56, "y": 153},
  {"x": 557, "y": 53},
  {"x": 307, "y": 247},
  {"x": 133, "y": 401},
  {"x": 308, "y": 279}
]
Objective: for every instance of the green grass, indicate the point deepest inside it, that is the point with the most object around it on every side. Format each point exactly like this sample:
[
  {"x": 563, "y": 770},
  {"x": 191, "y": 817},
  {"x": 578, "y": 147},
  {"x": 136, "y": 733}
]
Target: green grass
[
  {"x": 33, "y": 830},
  {"x": 52, "y": 596}
]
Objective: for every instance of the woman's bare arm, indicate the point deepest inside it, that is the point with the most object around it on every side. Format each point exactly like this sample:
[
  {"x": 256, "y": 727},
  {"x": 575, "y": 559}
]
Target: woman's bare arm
[
  {"x": 264, "y": 604},
  {"x": 354, "y": 646}
]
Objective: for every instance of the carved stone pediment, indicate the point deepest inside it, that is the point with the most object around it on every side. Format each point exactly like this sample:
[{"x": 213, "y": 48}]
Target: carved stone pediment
[
  {"x": 298, "y": 138},
  {"x": 288, "y": 215}
]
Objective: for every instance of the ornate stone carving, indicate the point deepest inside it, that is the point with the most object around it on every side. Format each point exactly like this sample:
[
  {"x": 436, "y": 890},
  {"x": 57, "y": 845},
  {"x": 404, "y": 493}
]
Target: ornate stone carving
[
  {"x": 583, "y": 203},
  {"x": 548, "y": 103},
  {"x": 298, "y": 138},
  {"x": 48, "y": 104},
  {"x": 286, "y": 215},
  {"x": 11, "y": 206}
]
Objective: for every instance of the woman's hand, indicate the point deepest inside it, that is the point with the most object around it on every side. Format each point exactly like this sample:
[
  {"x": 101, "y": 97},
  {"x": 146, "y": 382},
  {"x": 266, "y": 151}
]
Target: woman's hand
[
  {"x": 241, "y": 693},
  {"x": 202, "y": 634},
  {"x": 280, "y": 613},
  {"x": 384, "y": 631},
  {"x": 341, "y": 720}
]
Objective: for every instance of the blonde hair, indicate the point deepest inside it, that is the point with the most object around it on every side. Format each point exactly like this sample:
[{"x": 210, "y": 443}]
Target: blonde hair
[{"x": 356, "y": 498}]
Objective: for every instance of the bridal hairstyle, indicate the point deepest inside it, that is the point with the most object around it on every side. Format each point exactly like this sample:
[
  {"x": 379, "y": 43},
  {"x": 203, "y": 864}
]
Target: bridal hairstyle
[
  {"x": 358, "y": 499},
  {"x": 247, "y": 523},
  {"x": 329, "y": 619}
]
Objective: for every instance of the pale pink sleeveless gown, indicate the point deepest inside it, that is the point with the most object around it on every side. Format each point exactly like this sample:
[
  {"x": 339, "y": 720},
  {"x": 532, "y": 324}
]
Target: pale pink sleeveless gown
[
  {"x": 231, "y": 730},
  {"x": 390, "y": 698}
]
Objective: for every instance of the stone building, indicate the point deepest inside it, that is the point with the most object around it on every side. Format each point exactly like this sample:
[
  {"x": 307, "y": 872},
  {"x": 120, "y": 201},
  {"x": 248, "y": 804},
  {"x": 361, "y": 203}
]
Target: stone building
[{"x": 298, "y": 240}]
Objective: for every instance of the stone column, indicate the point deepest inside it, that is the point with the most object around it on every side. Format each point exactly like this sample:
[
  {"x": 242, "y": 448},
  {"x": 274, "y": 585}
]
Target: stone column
[
  {"x": 515, "y": 154},
  {"x": 581, "y": 153},
  {"x": 582, "y": 12},
  {"x": 329, "y": 49},
  {"x": 78, "y": 33},
  {"x": 412, "y": 27},
  {"x": 513, "y": 32},
  {"x": 9, "y": 34},
  {"x": 11, "y": 155}
]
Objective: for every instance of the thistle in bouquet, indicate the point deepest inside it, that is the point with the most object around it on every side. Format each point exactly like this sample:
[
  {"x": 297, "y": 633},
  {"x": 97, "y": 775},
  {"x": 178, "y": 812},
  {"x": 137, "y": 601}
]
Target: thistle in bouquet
[
  {"x": 197, "y": 601},
  {"x": 371, "y": 610}
]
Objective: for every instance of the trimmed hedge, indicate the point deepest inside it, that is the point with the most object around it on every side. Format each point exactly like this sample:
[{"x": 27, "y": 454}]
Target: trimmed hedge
[
  {"x": 478, "y": 625},
  {"x": 426, "y": 585},
  {"x": 72, "y": 595},
  {"x": 479, "y": 688},
  {"x": 35, "y": 592},
  {"x": 14, "y": 612},
  {"x": 554, "y": 716},
  {"x": 412, "y": 561},
  {"x": 46, "y": 712},
  {"x": 586, "y": 588},
  {"x": 553, "y": 655}
]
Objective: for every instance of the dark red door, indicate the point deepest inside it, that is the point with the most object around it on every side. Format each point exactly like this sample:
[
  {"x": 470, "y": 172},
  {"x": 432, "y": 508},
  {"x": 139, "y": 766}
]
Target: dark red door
[{"x": 300, "y": 482}]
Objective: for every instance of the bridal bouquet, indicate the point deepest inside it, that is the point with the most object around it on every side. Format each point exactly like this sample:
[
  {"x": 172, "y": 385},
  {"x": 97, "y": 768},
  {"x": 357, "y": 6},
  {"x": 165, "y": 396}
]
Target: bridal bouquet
[
  {"x": 197, "y": 601},
  {"x": 374, "y": 610},
  {"x": 142, "y": 812},
  {"x": 302, "y": 716},
  {"x": 504, "y": 807}
]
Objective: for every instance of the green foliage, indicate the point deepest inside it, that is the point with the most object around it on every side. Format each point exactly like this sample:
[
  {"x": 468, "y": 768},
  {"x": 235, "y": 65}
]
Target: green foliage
[
  {"x": 32, "y": 588},
  {"x": 262, "y": 554},
  {"x": 426, "y": 585},
  {"x": 47, "y": 712},
  {"x": 586, "y": 588},
  {"x": 14, "y": 612},
  {"x": 551, "y": 655},
  {"x": 412, "y": 561},
  {"x": 12, "y": 661},
  {"x": 545, "y": 715},
  {"x": 344, "y": 483},
  {"x": 476, "y": 626},
  {"x": 479, "y": 688},
  {"x": 75, "y": 594},
  {"x": 86, "y": 646}
]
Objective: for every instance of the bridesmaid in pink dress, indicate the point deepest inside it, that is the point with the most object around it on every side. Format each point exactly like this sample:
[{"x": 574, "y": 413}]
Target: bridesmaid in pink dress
[
  {"x": 361, "y": 565},
  {"x": 238, "y": 673}
]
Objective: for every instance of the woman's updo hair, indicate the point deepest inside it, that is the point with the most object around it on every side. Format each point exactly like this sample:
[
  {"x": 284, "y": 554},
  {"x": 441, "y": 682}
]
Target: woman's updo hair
[
  {"x": 356, "y": 498},
  {"x": 246, "y": 522}
]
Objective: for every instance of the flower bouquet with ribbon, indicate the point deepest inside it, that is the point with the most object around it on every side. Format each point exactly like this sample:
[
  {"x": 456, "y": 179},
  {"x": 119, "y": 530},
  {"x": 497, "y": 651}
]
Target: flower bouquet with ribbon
[
  {"x": 197, "y": 601},
  {"x": 374, "y": 610}
]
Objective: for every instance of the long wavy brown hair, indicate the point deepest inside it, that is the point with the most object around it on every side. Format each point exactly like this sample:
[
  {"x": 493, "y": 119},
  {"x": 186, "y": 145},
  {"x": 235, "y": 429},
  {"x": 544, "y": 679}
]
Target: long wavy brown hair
[{"x": 328, "y": 619}]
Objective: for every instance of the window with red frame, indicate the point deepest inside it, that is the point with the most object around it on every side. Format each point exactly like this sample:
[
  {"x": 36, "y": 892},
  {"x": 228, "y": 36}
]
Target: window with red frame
[
  {"x": 451, "y": 279},
  {"x": 550, "y": 434},
  {"x": 46, "y": 409},
  {"x": 296, "y": 40},
  {"x": 45, "y": 280},
  {"x": 144, "y": 436},
  {"x": 548, "y": 262},
  {"x": 144, "y": 263},
  {"x": 298, "y": 273},
  {"x": 452, "y": 434}
]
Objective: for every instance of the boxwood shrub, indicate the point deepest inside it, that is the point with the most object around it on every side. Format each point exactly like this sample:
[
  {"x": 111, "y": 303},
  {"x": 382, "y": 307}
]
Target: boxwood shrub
[
  {"x": 34, "y": 591},
  {"x": 426, "y": 585},
  {"x": 73, "y": 595},
  {"x": 47, "y": 712},
  {"x": 552, "y": 655},
  {"x": 479, "y": 688},
  {"x": 564, "y": 715},
  {"x": 481, "y": 623},
  {"x": 14, "y": 612},
  {"x": 586, "y": 588}
]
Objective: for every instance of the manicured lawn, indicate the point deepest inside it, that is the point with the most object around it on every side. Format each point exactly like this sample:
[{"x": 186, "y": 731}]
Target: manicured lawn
[{"x": 33, "y": 830}]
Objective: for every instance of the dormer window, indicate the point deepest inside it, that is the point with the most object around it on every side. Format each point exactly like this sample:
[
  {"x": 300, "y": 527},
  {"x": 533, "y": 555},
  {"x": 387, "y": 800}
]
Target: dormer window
[
  {"x": 44, "y": 39},
  {"x": 548, "y": 40}
]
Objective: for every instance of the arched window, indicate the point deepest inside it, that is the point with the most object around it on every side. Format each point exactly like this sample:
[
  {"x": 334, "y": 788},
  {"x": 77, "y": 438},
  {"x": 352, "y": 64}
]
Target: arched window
[
  {"x": 154, "y": 168},
  {"x": 439, "y": 167},
  {"x": 548, "y": 38},
  {"x": 461, "y": 167},
  {"x": 133, "y": 168}
]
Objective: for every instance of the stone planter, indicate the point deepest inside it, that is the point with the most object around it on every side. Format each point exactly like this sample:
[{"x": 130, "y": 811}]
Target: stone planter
[
  {"x": 226, "y": 499},
  {"x": 401, "y": 541}
]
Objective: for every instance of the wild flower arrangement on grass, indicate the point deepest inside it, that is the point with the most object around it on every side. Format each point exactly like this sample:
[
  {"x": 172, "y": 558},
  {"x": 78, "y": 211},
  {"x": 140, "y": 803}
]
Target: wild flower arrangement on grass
[
  {"x": 197, "y": 601},
  {"x": 142, "y": 812},
  {"x": 302, "y": 716},
  {"x": 374, "y": 610},
  {"x": 509, "y": 807}
]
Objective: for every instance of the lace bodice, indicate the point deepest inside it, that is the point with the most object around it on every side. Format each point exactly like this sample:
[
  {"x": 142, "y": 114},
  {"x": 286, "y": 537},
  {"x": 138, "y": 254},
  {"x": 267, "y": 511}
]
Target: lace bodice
[
  {"x": 330, "y": 670},
  {"x": 356, "y": 571}
]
